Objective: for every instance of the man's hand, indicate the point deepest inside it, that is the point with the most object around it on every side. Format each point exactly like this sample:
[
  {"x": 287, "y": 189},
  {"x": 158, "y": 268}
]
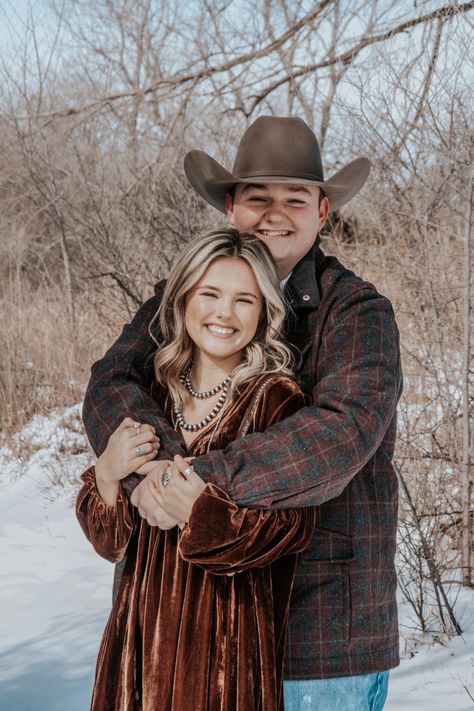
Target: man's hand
[{"x": 144, "y": 497}]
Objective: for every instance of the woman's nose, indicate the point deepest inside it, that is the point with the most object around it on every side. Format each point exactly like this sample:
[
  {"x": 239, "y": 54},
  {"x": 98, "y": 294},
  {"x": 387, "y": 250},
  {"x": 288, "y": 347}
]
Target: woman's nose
[{"x": 224, "y": 309}]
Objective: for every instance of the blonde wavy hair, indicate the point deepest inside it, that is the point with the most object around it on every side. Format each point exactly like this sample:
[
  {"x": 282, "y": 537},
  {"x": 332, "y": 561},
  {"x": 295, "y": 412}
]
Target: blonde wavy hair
[{"x": 266, "y": 353}]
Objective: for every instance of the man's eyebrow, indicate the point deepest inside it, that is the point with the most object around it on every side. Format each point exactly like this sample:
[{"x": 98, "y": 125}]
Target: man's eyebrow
[
  {"x": 298, "y": 189},
  {"x": 248, "y": 186},
  {"x": 290, "y": 188}
]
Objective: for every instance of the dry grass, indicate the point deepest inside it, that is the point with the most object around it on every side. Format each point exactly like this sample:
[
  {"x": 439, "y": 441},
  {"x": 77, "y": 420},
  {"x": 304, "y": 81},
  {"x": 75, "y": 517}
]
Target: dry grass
[{"x": 42, "y": 364}]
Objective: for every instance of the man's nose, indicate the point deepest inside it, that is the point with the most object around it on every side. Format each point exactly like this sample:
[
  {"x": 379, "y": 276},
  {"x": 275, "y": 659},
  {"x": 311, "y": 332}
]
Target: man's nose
[{"x": 275, "y": 211}]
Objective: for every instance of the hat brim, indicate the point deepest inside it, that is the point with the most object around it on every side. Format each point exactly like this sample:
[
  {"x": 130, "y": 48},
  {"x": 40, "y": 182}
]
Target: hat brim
[{"x": 212, "y": 181}]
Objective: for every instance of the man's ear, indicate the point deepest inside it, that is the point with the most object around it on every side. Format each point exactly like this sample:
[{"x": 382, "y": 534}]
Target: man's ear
[
  {"x": 324, "y": 210},
  {"x": 229, "y": 206}
]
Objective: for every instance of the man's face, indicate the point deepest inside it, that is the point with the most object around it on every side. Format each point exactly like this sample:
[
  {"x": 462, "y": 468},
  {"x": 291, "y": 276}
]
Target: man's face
[{"x": 286, "y": 217}]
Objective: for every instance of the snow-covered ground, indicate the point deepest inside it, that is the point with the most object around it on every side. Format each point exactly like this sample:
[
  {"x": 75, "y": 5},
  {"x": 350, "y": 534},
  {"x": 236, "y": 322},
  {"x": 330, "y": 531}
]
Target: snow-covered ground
[{"x": 55, "y": 591}]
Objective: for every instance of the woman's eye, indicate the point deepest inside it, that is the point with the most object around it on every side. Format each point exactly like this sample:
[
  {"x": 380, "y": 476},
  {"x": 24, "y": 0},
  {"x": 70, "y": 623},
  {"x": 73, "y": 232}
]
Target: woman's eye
[
  {"x": 245, "y": 301},
  {"x": 209, "y": 293}
]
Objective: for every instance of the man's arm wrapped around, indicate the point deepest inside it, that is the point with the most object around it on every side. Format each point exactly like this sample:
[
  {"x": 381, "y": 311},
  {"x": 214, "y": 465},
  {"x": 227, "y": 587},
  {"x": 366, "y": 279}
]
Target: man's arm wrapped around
[{"x": 120, "y": 384}]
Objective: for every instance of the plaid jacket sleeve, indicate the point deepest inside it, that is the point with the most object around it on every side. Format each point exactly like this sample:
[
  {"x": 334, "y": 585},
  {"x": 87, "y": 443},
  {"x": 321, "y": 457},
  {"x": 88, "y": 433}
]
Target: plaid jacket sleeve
[
  {"x": 120, "y": 382},
  {"x": 354, "y": 370}
]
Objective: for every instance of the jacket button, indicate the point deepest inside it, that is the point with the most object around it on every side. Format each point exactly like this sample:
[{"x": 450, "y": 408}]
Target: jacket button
[{"x": 306, "y": 297}]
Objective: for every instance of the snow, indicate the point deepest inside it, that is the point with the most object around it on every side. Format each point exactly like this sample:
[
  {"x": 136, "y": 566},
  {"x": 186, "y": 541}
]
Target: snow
[{"x": 55, "y": 592}]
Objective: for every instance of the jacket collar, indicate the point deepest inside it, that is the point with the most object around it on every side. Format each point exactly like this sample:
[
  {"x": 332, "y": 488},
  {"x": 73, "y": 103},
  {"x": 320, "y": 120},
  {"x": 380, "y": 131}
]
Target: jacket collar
[{"x": 302, "y": 289}]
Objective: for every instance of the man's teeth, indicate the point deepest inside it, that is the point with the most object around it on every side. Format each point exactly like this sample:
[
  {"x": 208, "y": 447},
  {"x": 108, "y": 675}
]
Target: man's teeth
[
  {"x": 221, "y": 330},
  {"x": 275, "y": 233}
]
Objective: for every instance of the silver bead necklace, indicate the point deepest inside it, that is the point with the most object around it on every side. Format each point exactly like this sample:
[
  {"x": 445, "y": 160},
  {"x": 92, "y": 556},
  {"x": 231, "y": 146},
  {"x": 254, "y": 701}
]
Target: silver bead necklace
[{"x": 186, "y": 381}]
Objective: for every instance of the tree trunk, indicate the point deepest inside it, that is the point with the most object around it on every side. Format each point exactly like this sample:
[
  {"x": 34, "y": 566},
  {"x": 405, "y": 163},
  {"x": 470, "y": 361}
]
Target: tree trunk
[{"x": 466, "y": 478}]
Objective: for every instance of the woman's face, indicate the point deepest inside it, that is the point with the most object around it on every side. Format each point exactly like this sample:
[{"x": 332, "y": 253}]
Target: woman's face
[{"x": 223, "y": 310}]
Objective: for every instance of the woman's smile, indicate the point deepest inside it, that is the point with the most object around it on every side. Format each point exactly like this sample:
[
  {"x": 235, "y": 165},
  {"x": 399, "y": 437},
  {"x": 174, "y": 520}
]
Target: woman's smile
[{"x": 220, "y": 330}]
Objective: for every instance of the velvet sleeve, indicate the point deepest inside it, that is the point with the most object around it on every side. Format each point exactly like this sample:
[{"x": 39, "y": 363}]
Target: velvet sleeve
[
  {"x": 108, "y": 528},
  {"x": 223, "y": 538}
]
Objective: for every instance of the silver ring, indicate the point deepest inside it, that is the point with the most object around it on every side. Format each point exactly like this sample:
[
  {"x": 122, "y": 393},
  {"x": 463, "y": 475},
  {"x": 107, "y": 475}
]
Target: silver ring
[
  {"x": 165, "y": 478},
  {"x": 140, "y": 451},
  {"x": 137, "y": 426},
  {"x": 188, "y": 471}
]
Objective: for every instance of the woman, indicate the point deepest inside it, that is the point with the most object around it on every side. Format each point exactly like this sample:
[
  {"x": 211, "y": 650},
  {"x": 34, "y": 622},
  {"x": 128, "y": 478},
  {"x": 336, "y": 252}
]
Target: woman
[{"x": 199, "y": 621}]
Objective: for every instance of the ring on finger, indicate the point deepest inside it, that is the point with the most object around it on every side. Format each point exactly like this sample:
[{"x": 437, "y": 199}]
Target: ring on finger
[
  {"x": 140, "y": 450},
  {"x": 165, "y": 478},
  {"x": 188, "y": 471},
  {"x": 137, "y": 426}
]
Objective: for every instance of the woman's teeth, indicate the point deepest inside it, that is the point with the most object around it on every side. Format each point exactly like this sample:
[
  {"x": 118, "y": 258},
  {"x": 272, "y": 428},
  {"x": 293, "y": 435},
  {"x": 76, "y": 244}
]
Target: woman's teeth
[{"x": 220, "y": 330}]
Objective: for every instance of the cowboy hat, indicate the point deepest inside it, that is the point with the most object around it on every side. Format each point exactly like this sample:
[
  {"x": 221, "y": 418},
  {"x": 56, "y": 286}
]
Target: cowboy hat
[{"x": 275, "y": 149}]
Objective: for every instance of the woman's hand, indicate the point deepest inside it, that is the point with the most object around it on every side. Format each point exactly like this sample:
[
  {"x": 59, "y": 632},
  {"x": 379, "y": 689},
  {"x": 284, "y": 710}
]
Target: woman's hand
[
  {"x": 183, "y": 486},
  {"x": 129, "y": 447},
  {"x": 145, "y": 498}
]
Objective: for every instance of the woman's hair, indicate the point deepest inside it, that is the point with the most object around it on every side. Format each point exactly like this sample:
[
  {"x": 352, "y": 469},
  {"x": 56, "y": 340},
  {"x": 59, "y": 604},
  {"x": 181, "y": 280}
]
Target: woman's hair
[{"x": 266, "y": 353}]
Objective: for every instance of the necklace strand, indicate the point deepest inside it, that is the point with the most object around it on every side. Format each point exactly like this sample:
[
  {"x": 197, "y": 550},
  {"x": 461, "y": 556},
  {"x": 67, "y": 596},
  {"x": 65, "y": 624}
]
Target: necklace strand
[
  {"x": 186, "y": 381},
  {"x": 180, "y": 421}
]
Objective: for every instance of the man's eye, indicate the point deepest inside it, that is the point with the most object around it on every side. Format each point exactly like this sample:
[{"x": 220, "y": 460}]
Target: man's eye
[
  {"x": 297, "y": 202},
  {"x": 256, "y": 198}
]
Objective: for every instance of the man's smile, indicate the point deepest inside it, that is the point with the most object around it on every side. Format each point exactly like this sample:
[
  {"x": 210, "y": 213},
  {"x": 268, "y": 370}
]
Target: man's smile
[{"x": 274, "y": 233}]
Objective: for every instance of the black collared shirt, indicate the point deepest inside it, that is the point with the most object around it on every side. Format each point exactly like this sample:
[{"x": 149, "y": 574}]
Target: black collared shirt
[{"x": 303, "y": 294}]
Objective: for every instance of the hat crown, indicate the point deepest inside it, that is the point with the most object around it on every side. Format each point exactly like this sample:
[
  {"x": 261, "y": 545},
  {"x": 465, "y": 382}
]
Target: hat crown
[{"x": 279, "y": 146}]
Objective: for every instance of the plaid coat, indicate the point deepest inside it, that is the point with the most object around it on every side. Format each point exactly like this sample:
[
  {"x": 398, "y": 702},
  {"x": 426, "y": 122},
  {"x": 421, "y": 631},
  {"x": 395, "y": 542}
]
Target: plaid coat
[{"x": 335, "y": 454}]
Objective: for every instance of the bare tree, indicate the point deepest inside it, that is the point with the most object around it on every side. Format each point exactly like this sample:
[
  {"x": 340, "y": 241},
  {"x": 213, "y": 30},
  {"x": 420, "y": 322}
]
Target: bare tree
[{"x": 95, "y": 122}]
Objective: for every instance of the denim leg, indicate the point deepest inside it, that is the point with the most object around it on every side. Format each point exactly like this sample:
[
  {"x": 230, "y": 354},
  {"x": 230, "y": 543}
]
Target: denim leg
[{"x": 364, "y": 692}]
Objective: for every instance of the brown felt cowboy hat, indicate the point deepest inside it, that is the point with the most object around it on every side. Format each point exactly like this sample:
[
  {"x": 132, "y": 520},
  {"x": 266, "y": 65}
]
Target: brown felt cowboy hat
[{"x": 275, "y": 150}]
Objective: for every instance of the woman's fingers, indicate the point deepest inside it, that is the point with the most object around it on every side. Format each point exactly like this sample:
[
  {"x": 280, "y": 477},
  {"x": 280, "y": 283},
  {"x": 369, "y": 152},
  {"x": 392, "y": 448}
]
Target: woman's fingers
[
  {"x": 126, "y": 423},
  {"x": 141, "y": 448},
  {"x": 142, "y": 438},
  {"x": 185, "y": 466},
  {"x": 137, "y": 428},
  {"x": 141, "y": 455}
]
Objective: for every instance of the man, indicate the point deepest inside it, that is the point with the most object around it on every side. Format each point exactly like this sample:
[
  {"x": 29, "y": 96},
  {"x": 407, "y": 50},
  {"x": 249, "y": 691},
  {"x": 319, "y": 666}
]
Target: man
[{"x": 336, "y": 453}]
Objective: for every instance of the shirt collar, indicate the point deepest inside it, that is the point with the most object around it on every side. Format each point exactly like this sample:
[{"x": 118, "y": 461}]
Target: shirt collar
[
  {"x": 302, "y": 287},
  {"x": 284, "y": 281}
]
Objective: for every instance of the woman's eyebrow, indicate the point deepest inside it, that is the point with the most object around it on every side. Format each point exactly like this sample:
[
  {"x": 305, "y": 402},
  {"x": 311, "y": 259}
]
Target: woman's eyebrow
[
  {"x": 247, "y": 293},
  {"x": 237, "y": 293}
]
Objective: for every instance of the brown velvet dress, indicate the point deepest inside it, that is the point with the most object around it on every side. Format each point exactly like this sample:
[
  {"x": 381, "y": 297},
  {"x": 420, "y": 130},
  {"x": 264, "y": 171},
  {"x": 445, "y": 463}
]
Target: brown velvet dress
[{"x": 200, "y": 618}]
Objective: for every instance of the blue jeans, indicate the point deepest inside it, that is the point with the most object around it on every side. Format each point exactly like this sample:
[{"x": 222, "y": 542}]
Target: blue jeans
[{"x": 366, "y": 692}]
